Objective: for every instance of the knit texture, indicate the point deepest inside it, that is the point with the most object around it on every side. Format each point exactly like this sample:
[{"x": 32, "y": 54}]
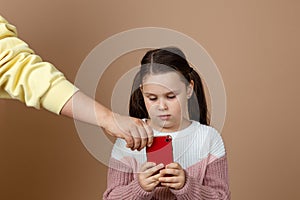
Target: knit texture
[{"x": 199, "y": 149}]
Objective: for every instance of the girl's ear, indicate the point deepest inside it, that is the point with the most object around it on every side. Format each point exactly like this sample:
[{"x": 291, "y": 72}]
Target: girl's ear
[{"x": 190, "y": 89}]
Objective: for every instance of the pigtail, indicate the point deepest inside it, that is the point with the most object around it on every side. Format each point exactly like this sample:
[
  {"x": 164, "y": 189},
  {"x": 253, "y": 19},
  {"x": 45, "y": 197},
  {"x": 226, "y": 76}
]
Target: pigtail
[
  {"x": 197, "y": 103},
  {"x": 137, "y": 107}
]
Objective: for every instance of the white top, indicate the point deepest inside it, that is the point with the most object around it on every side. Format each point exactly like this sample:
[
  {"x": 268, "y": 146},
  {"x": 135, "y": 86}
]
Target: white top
[{"x": 191, "y": 145}]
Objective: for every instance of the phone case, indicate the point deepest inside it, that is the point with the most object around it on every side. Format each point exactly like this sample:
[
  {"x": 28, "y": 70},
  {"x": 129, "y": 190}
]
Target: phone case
[{"x": 161, "y": 150}]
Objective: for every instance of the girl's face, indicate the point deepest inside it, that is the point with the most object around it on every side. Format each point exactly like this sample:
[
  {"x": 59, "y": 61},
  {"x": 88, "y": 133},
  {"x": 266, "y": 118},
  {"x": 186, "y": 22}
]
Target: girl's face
[{"x": 166, "y": 100}]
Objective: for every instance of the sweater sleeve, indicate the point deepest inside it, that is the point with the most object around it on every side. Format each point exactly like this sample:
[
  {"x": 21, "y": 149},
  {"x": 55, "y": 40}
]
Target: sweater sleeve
[
  {"x": 122, "y": 184},
  {"x": 214, "y": 187},
  {"x": 24, "y": 76}
]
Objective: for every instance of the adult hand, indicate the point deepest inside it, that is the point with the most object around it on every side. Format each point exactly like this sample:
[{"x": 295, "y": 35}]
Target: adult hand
[
  {"x": 148, "y": 178},
  {"x": 136, "y": 132},
  {"x": 175, "y": 176}
]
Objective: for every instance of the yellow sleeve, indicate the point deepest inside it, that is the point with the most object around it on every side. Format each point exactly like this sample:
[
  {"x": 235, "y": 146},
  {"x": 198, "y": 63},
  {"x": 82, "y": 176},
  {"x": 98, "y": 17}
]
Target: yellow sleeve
[{"x": 24, "y": 76}]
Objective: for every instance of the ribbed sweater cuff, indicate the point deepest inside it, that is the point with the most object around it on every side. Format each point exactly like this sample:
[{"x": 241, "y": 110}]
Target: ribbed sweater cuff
[
  {"x": 184, "y": 190},
  {"x": 139, "y": 191},
  {"x": 215, "y": 184},
  {"x": 190, "y": 186}
]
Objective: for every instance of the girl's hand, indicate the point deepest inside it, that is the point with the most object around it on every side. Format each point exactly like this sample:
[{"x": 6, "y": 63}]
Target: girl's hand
[
  {"x": 148, "y": 178},
  {"x": 177, "y": 178}
]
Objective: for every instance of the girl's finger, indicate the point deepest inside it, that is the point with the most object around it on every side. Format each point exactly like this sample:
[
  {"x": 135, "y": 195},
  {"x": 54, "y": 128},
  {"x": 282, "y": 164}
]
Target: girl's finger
[
  {"x": 156, "y": 176},
  {"x": 154, "y": 169},
  {"x": 171, "y": 185},
  {"x": 173, "y": 179},
  {"x": 173, "y": 172},
  {"x": 150, "y": 168},
  {"x": 147, "y": 165},
  {"x": 173, "y": 166},
  {"x": 153, "y": 184}
]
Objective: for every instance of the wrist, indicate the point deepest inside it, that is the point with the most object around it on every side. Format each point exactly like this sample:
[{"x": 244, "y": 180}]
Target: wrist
[{"x": 104, "y": 116}]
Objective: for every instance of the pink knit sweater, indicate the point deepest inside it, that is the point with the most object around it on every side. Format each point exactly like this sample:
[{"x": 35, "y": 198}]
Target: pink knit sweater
[{"x": 199, "y": 149}]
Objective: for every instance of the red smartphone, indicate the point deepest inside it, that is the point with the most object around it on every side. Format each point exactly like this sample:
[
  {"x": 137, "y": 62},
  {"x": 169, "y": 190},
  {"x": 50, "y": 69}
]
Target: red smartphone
[{"x": 161, "y": 150}]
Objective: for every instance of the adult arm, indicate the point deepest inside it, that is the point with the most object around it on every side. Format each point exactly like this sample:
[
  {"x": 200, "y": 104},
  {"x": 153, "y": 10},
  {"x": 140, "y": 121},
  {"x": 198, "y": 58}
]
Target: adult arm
[
  {"x": 136, "y": 133},
  {"x": 26, "y": 77}
]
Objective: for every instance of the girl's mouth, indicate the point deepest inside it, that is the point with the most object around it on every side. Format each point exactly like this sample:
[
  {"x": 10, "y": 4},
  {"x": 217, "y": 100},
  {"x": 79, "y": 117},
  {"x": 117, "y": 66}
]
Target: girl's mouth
[{"x": 164, "y": 117}]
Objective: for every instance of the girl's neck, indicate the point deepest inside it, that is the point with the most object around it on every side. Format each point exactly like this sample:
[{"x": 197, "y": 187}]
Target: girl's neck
[{"x": 184, "y": 124}]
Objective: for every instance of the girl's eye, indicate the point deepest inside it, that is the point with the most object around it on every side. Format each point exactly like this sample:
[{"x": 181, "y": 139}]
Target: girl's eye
[
  {"x": 171, "y": 97},
  {"x": 152, "y": 98}
]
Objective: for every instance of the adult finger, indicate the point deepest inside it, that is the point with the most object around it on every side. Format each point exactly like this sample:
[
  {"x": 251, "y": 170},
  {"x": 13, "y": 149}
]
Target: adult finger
[
  {"x": 149, "y": 133},
  {"x": 129, "y": 140},
  {"x": 144, "y": 138},
  {"x": 136, "y": 137}
]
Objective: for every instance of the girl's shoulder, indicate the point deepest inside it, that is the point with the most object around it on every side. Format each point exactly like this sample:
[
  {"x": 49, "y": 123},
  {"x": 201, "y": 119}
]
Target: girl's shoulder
[
  {"x": 198, "y": 143},
  {"x": 205, "y": 130},
  {"x": 209, "y": 137}
]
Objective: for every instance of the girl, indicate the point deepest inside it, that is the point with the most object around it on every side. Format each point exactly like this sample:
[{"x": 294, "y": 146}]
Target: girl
[{"x": 169, "y": 94}]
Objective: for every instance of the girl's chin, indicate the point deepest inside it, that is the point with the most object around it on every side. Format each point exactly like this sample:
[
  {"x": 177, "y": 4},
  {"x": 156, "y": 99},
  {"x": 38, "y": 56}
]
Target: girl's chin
[
  {"x": 162, "y": 123},
  {"x": 163, "y": 126},
  {"x": 168, "y": 126}
]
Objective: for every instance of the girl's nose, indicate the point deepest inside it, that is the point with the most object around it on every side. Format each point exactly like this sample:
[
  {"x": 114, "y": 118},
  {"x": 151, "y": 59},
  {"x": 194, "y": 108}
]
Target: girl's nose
[{"x": 162, "y": 105}]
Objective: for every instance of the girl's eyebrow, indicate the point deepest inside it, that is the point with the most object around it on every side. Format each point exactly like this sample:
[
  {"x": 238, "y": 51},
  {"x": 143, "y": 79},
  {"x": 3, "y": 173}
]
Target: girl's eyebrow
[{"x": 172, "y": 92}]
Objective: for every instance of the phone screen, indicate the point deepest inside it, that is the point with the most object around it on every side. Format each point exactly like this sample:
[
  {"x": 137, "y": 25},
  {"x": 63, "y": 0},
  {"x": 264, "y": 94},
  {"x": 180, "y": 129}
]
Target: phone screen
[{"x": 161, "y": 150}]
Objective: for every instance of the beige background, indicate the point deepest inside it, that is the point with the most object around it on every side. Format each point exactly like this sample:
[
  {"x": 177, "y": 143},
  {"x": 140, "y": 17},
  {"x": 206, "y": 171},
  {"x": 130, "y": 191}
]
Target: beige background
[{"x": 255, "y": 45}]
